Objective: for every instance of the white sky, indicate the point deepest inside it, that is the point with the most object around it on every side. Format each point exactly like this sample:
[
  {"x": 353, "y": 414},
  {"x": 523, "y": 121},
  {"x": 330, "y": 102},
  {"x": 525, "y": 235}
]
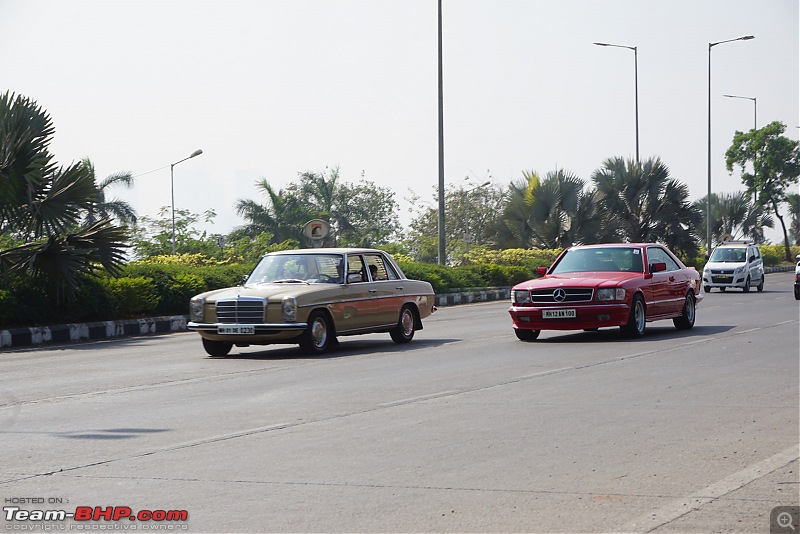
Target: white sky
[{"x": 269, "y": 89}]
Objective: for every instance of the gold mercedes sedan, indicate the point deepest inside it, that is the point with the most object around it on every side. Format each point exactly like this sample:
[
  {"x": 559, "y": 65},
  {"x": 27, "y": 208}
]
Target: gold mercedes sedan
[{"x": 311, "y": 297}]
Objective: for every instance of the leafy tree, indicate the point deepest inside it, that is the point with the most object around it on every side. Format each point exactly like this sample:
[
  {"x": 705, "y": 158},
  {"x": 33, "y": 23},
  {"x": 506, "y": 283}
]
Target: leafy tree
[
  {"x": 775, "y": 161},
  {"x": 360, "y": 214},
  {"x": 644, "y": 204},
  {"x": 153, "y": 235},
  {"x": 468, "y": 209},
  {"x": 42, "y": 205},
  {"x": 114, "y": 208}
]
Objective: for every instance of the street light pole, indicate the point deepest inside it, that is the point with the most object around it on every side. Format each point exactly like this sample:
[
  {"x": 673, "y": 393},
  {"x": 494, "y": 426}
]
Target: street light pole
[
  {"x": 708, "y": 196},
  {"x": 442, "y": 250},
  {"x": 172, "y": 190},
  {"x": 636, "y": 86},
  {"x": 755, "y": 121},
  {"x": 467, "y": 237}
]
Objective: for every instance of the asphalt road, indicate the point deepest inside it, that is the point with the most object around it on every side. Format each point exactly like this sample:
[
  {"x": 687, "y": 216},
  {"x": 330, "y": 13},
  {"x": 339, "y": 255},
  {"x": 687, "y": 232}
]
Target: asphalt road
[{"x": 466, "y": 429}]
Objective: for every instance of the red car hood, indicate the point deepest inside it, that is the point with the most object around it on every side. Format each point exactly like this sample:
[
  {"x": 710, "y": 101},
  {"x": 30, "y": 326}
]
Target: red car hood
[{"x": 588, "y": 279}]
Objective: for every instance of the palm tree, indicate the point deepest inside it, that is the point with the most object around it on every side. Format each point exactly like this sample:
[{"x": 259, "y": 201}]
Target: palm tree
[
  {"x": 42, "y": 205},
  {"x": 794, "y": 213},
  {"x": 554, "y": 212},
  {"x": 734, "y": 215},
  {"x": 282, "y": 216},
  {"x": 645, "y": 204},
  {"x": 114, "y": 208}
]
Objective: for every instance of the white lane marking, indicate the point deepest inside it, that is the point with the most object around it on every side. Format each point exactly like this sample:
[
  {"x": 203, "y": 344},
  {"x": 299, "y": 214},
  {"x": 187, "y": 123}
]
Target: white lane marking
[
  {"x": 713, "y": 492},
  {"x": 420, "y": 398}
]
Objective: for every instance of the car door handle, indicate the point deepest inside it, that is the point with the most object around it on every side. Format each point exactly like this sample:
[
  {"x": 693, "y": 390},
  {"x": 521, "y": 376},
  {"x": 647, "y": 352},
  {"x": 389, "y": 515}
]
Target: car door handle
[
  {"x": 373, "y": 290},
  {"x": 671, "y": 278},
  {"x": 399, "y": 288}
]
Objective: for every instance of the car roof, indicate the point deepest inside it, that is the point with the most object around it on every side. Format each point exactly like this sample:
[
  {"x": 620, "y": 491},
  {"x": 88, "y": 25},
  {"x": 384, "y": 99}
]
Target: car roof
[
  {"x": 616, "y": 245},
  {"x": 333, "y": 250}
]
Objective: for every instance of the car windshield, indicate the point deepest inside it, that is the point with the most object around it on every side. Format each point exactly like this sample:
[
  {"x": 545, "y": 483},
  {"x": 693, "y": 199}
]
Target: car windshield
[
  {"x": 298, "y": 268},
  {"x": 735, "y": 255},
  {"x": 611, "y": 259}
]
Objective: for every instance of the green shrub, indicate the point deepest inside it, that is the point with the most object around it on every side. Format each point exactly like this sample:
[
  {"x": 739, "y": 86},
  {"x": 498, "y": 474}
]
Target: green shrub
[
  {"x": 180, "y": 289},
  {"x": 132, "y": 296}
]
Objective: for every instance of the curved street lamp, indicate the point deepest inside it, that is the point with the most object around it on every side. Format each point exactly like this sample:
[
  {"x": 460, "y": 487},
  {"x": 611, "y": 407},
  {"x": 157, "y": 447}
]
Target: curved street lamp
[
  {"x": 755, "y": 121},
  {"x": 172, "y": 190},
  {"x": 708, "y": 196},
  {"x": 636, "y": 84}
]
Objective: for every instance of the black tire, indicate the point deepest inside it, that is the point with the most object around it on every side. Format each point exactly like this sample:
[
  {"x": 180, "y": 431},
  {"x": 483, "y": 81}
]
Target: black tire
[
  {"x": 217, "y": 349},
  {"x": 686, "y": 320},
  {"x": 591, "y": 329},
  {"x": 403, "y": 332},
  {"x": 760, "y": 286},
  {"x": 796, "y": 294},
  {"x": 318, "y": 336},
  {"x": 707, "y": 289},
  {"x": 637, "y": 320},
  {"x": 526, "y": 335},
  {"x": 746, "y": 288}
]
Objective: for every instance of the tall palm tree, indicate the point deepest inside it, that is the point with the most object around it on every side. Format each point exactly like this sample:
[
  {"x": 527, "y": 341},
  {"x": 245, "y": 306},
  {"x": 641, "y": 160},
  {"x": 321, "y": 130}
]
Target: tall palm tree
[
  {"x": 646, "y": 204},
  {"x": 42, "y": 205},
  {"x": 282, "y": 216},
  {"x": 794, "y": 215},
  {"x": 114, "y": 208},
  {"x": 734, "y": 215}
]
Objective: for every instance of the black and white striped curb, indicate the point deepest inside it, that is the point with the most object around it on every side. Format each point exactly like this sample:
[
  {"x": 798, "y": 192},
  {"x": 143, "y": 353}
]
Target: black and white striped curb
[
  {"x": 65, "y": 333},
  {"x": 467, "y": 297},
  {"x": 36, "y": 335}
]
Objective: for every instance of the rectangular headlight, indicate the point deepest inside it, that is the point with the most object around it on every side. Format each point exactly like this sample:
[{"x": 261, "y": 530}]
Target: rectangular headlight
[
  {"x": 522, "y": 296},
  {"x": 289, "y": 308},
  {"x": 196, "y": 310},
  {"x": 611, "y": 294}
]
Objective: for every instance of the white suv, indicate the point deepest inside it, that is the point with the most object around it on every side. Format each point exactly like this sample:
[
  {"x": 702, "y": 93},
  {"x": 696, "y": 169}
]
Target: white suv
[{"x": 734, "y": 264}]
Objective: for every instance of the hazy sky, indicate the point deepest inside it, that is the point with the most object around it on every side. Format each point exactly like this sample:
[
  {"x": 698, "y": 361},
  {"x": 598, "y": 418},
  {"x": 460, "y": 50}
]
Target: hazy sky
[{"x": 269, "y": 89}]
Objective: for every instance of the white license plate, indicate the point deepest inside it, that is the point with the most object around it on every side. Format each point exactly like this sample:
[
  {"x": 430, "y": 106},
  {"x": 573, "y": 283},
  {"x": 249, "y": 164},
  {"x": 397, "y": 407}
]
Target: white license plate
[
  {"x": 558, "y": 314},
  {"x": 236, "y": 330}
]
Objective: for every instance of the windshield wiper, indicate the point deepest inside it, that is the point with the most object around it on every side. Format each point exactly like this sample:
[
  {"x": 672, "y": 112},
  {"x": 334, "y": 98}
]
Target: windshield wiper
[{"x": 289, "y": 281}]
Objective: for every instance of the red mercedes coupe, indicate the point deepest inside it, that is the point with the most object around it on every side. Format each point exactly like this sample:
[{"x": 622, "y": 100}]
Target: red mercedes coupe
[{"x": 595, "y": 286}]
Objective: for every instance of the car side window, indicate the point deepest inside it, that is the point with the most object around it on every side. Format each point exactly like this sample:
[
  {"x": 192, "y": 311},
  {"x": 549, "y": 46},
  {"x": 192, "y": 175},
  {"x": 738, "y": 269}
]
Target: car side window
[
  {"x": 658, "y": 255},
  {"x": 379, "y": 269},
  {"x": 355, "y": 266}
]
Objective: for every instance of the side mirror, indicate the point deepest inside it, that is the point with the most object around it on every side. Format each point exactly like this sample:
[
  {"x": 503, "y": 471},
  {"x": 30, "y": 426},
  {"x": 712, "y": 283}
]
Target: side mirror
[
  {"x": 541, "y": 271},
  {"x": 244, "y": 279},
  {"x": 658, "y": 267}
]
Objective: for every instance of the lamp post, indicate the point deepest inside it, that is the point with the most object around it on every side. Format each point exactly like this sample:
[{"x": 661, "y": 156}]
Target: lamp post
[
  {"x": 172, "y": 190},
  {"x": 708, "y": 196},
  {"x": 636, "y": 86},
  {"x": 442, "y": 249},
  {"x": 755, "y": 121},
  {"x": 467, "y": 237}
]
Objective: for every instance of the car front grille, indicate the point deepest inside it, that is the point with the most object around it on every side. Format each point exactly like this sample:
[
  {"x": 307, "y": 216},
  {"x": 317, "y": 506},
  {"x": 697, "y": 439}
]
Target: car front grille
[
  {"x": 241, "y": 310},
  {"x": 721, "y": 271},
  {"x": 550, "y": 296}
]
